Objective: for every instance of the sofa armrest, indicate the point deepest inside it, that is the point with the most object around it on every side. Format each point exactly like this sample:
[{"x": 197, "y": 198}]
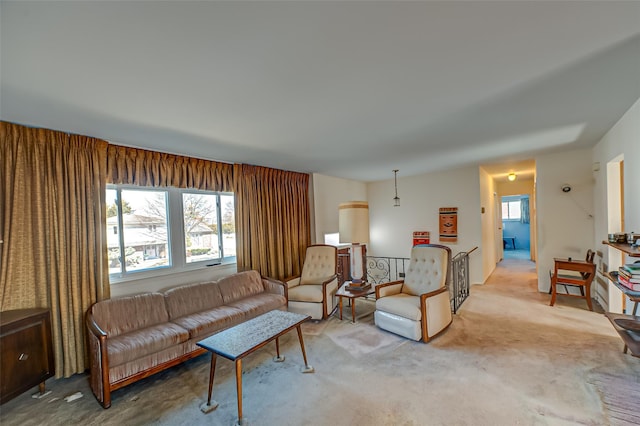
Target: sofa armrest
[
  {"x": 388, "y": 289},
  {"x": 99, "y": 361},
  {"x": 274, "y": 286}
]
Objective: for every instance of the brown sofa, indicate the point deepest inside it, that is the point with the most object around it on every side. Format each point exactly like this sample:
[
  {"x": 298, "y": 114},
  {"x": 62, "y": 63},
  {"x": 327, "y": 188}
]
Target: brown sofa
[{"x": 133, "y": 337}]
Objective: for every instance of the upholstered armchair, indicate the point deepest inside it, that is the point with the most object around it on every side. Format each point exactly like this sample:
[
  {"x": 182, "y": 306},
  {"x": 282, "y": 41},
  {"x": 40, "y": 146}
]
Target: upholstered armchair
[
  {"x": 313, "y": 292},
  {"x": 417, "y": 307}
]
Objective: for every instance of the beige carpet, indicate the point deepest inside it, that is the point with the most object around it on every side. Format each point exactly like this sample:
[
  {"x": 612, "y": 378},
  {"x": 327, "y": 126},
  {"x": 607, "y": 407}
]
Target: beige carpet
[
  {"x": 363, "y": 338},
  {"x": 507, "y": 359}
]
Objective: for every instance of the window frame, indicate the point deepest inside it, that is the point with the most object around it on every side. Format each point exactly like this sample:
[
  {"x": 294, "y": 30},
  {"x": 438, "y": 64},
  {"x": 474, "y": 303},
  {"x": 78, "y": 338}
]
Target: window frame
[{"x": 175, "y": 234}]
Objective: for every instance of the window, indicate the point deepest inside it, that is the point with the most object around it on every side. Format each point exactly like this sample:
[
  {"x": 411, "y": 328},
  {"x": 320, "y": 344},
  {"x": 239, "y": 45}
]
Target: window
[
  {"x": 511, "y": 210},
  {"x": 152, "y": 230}
]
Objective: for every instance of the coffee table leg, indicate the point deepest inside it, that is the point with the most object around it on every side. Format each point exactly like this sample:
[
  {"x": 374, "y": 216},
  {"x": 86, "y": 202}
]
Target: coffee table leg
[
  {"x": 210, "y": 406},
  {"x": 340, "y": 304},
  {"x": 278, "y": 358},
  {"x": 239, "y": 388},
  {"x": 307, "y": 368},
  {"x": 353, "y": 311}
]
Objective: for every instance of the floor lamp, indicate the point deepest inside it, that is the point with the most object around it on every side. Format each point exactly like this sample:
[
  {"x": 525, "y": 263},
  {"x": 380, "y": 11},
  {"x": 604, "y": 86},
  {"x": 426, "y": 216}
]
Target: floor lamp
[{"x": 353, "y": 224}]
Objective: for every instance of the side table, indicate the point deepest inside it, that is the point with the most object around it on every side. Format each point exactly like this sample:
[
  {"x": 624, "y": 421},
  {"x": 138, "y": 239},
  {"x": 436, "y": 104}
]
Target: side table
[{"x": 352, "y": 296}]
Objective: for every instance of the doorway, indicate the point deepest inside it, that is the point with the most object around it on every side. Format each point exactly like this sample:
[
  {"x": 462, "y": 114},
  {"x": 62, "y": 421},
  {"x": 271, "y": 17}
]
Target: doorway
[{"x": 516, "y": 227}]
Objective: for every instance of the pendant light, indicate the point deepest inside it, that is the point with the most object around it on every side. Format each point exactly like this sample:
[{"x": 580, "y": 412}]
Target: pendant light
[{"x": 396, "y": 199}]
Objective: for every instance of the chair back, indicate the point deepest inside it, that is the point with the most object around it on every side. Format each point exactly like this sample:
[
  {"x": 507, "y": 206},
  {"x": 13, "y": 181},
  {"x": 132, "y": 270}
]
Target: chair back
[
  {"x": 588, "y": 258},
  {"x": 320, "y": 263},
  {"x": 428, "y": 269}
]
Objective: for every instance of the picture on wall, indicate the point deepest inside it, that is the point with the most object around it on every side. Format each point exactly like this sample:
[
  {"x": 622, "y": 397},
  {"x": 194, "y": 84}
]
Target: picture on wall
[
  {"x": 420, "y": 237},
  {"x": 448, "y": 224}
]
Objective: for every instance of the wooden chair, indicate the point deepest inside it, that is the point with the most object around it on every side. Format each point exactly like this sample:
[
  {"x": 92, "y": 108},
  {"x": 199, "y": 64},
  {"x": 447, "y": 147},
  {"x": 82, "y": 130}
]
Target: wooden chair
[
  {"x": 588, "y": 258},
  {"x": 577, "y": 273}
]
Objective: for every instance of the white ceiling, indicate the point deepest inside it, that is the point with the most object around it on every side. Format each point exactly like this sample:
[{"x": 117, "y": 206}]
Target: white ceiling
[{"x": 347, "y": 89}]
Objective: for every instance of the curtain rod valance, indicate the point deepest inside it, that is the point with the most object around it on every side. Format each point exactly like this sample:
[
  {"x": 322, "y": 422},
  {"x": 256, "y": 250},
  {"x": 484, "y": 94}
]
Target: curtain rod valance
[{"x": 142, "y": 167}]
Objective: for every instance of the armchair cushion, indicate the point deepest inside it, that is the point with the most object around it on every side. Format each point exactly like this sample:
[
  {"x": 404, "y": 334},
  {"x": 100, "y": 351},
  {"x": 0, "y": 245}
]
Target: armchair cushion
[
  {"x": 402, "y": 304},
  {"x": 306, "y": 293},
  {"x": 427, "y": 271},
  {"x": 319, "y": 265}
]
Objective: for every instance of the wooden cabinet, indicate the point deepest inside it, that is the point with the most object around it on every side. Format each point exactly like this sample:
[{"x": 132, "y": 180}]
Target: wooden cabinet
[{"x": 26, "y": 350}]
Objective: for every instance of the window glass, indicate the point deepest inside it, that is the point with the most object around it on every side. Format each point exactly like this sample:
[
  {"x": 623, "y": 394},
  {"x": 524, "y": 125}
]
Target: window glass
[
  {"x": 511, "y": 210},
  {"x": 144, "y": 222},
  {"x": 228, "y": 225},
  {"x": 179, "y": 229},
  {"x": 200, "y": 227}
]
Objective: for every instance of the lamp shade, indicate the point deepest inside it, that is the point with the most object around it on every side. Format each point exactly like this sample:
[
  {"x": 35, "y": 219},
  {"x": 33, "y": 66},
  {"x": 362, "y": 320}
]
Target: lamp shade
[{"x": 353, "y": 222}]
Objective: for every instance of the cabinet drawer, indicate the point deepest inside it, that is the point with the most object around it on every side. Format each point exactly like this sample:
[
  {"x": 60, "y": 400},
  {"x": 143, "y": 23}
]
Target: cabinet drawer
[
  {"x": 24, "y": 362},
  {"x": 26, "y": 359}
]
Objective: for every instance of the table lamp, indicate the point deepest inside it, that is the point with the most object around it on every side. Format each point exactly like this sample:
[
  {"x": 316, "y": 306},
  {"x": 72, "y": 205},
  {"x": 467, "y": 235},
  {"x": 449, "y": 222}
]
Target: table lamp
[{"x": 353, "y": 224}]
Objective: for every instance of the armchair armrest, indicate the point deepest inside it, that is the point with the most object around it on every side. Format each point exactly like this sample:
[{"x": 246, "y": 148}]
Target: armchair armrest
[
  {"x": 388, "y": 289},
  {"x": 436, "y": 312},
  {"x": 292, "y": 281},
  {"x": 425, "y": 296},
  {"x": 329, "y": 280}
]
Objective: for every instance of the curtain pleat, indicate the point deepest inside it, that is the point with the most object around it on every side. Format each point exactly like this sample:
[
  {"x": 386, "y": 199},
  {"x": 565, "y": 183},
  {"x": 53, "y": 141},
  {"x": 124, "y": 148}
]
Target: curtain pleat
[
  {"x": 141, "y": 167},
  {"x": 52, "y": 217},
  {"x": 272, "y": 220},
  {"x": 524, "y": 210}
]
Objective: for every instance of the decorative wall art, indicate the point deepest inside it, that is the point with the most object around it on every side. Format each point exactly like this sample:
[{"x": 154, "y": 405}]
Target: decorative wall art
[
  {"x": 448, "y": 224},
  {"x": 420, "y": 237}
]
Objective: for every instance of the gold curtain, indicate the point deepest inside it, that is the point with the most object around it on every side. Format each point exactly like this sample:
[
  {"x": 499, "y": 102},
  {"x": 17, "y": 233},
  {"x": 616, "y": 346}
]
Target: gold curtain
[
  {"x": 272, "y": 220},
  {"x": 54, "y": 251},
  {"x": 140, "y": 167}
]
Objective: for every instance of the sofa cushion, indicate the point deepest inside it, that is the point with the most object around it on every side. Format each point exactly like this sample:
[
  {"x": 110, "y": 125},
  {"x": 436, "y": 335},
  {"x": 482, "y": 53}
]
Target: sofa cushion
[
  {"x": 139, "y": 343},
  {"x": 240, "y": 285},
  {"x": 259, "y": 304},
  {"x": 401, "y": 304},
  {"x": 205, "y": 323},
  {"x": 191, "y": 298},
  {"x": 121, "y": 315}
]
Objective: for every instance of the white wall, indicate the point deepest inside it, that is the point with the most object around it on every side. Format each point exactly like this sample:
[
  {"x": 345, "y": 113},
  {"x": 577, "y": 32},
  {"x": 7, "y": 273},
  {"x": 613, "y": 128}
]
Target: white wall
[
  {"x": 171, "y": 280},
  {"x": 328, "y": 193},
  {"x": 623, "y": 140},
  {"x": 391, "y": 228},
  {"x": 565, "y": 220},
  {"x": 491, "y": 252}
]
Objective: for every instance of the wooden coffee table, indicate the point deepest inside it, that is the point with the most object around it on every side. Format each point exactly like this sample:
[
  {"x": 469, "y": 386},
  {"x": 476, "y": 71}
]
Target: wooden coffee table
[
  {"x": 239, "y": 341},
  {"x": 352, "y": 296}
]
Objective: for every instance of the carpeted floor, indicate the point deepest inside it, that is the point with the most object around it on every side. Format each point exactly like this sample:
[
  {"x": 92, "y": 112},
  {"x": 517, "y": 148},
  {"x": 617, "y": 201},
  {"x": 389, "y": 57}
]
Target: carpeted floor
[
  {"x": 517, "y": 254},
  {"x": 507, "y": 359}
]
